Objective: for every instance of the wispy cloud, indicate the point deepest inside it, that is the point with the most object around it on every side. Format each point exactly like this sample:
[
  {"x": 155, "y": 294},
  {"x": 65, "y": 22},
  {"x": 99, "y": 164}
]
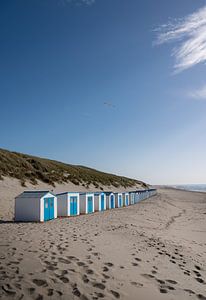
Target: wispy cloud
[
  {"x": 80, "y": 2},
  {"x": 198, "y": 94},
  {"x": 190, "y": 33}
]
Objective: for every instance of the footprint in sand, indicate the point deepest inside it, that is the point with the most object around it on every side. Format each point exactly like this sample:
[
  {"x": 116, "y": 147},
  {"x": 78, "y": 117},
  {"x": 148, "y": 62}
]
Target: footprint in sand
[
  {"x": 8, "y": 290},
  {"x": 50, "y": 292},
  {"x": 109, "y": 264},
  {"x": 105, "y": 276},
  {"x": 160, "y": 281},
  {"x": 163, "y": 291},
  {"x": 40, "y": 282},
  {"x": 197, "y": 273},
  {"x": 137, "y": 259},
  {"x": 200, "y": 296},
  {"x": 137, "y": 284},
  {"x": 99, "y": 285},
  {"x": 189, "y": 291},
  {"x": 135, "y": 264},
  {"x": 64, "y": 279},
  {"x": 80, "y": 263},
  {"x": 39, "y": 297},
  {"x": 173, "y": 261},
  {"x": 76, "y": 292},
  {"x": 85, "y": 278},
  {"x": 200, "y": 280},
  {"x": 64, "y": 261},
  {"x": 72, "y": 258},
  {"x": 115, "y": 294},
  {"x": 100, "y": 295},
  {"x": 170, "y": 287},
  {"x": 89, "y": 271},
  {"x": 171, "y": 281},
  {"x": 148, "y": 276}
]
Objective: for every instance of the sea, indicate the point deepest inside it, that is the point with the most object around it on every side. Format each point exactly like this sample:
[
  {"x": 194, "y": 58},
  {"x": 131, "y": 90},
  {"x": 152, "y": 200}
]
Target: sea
[{"x": 191, "y": 187}]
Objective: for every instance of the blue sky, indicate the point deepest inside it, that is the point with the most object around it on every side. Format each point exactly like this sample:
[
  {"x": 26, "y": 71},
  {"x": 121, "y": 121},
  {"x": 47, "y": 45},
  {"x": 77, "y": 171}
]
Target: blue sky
[{"x": 109, "y": 84}]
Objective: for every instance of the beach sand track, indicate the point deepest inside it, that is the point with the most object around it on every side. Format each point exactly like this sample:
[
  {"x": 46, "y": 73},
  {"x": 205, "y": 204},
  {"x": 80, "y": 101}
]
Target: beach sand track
[{"x": 155, "y": 249}]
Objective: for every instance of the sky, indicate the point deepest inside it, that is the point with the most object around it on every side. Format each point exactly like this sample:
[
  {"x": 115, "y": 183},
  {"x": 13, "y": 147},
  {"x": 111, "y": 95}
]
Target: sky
[{"x": 117, "y": 85}]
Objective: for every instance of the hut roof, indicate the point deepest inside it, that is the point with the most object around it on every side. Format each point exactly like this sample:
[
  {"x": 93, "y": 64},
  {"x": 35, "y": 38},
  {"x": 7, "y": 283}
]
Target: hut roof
[{"x": 33, "y": 194}]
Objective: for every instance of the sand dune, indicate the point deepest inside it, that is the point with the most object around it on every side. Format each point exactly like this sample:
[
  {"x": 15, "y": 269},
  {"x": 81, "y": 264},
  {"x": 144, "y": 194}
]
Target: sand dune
[{"x": 155, "y": 249}]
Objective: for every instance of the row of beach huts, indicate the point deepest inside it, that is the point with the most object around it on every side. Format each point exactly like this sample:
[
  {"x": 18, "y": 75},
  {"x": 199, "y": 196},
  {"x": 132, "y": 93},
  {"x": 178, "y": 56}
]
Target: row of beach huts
[{"x": 40, "y": 206}]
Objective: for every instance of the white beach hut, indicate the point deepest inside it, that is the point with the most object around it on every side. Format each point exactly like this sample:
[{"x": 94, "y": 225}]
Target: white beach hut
[
  {"x": 86, "y": 203},
  {"x": 132, "y": 197},
  {"x": 36, "y": 206},
  {"x": 125, "y": 199},
  {"x": 137, "y": 197},
  {"x": 152, "y": 192},
  {"x": 68, "y": 204},
  {"x": 110, "y": 200},
  {"x": 118, "y": 199},
  {"x": 99, "y": 201}
]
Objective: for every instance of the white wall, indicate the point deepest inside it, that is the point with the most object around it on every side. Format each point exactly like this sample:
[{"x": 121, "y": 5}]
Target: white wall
[
  {"x": 27, "y": 209},
  {"x": 82, "y": 203},
  {"x": 62, "y": 205}
]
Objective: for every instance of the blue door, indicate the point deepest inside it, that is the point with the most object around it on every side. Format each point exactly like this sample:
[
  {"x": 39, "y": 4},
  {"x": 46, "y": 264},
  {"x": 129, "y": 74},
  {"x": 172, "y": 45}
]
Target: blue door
[
  {"x": 120, "y": 200},
  {"x": 112, "y": 201},
  {"x": 127, "y": 200},
  {"x": 51, "y": 208},
  {"x": 102, "y": 202},
  {"x": 90, "y": 204},
  {"x": 73, "y": 206},
  {"x": 48, "y": 209}
]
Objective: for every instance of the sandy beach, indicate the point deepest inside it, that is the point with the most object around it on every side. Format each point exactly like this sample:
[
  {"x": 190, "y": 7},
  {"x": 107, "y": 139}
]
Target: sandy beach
[{"x": 155, "y": 249}]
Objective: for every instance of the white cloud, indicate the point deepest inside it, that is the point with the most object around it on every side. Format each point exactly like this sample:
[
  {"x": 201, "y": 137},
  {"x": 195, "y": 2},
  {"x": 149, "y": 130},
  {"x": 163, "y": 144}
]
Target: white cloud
[
  {"x": 190, "y": 33},
  {"x": 80, "y": 2},
  {"x": 199, "y": 94}
]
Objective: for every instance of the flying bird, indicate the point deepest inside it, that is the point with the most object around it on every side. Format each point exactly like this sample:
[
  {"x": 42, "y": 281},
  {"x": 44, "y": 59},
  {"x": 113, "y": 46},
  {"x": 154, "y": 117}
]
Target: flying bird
[{"x": 109, "y": 104}]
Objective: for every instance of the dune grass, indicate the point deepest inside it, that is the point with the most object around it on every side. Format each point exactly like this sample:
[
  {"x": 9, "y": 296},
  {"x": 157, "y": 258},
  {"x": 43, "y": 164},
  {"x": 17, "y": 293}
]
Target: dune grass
[{"x": 30, "y": 168}]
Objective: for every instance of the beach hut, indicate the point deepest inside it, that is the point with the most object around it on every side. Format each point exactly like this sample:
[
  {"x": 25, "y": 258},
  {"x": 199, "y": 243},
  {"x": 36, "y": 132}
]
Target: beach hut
[
  {"x": 118, "y": 199},
  {"x": 110, "y": 200},
  {"x": 153, "y": 192},
  {"x": 68, "y": 204},
  {"x": 126, "y": 199},
  {"x": 99, "y": 201},
  {"x": 132, "y": 197},
  {"x": 36, "y": 206},
  {"x": 86, "y": 202},
  {"x": 137, "y": 197}
]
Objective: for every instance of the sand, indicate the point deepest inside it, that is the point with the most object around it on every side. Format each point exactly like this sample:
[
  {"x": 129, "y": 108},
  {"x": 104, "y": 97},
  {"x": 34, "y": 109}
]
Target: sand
[{"x": 155, "y": 249}]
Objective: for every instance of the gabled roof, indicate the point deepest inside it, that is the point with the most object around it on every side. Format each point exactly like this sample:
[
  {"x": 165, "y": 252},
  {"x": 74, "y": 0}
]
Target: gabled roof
[{"x": 33, "y": 194}]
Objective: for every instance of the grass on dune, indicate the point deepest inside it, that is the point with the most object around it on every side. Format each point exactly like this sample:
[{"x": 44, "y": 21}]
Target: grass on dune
[{"x": 30, "y": 168}]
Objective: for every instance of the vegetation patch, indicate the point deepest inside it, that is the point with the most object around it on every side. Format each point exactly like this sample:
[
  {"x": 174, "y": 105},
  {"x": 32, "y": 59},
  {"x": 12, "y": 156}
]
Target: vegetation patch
[{"x": 30, "y": 168}]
